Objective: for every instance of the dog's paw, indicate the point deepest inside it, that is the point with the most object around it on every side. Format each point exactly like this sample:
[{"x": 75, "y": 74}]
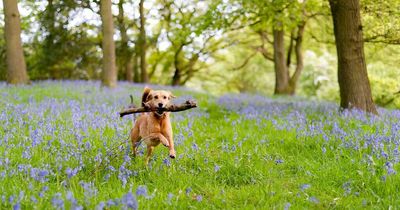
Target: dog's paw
[{"x": 172, "y": 154}]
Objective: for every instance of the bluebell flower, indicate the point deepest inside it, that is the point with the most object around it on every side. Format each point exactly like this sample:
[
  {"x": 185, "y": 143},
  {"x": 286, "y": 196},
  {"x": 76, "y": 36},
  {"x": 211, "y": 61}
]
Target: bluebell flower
[
  {"x": 389, "y": 168},
  {"x": 129, "y": 201},
  {"x": 313, "y": 199},
  {"x": 100, "y": 206},
  {"x": 287, "y": 206},
  {"x": 199, "y": 198},
  {"x": 216, "y": 168},
  {"x": 166, "y": 162},
  {"x": 170, "y": 196},
  {"x": 141, "y": 190},
  {"x": 188, "y": 190},
  {"x": 33, "y": 199},
  {"x": 111, "y": 203},
  {"x": 71, "y": 172},
  {"x": 195, "y": 147},
  {"x": 304, "y": 187},
  {"x": 57, "y": 201},
  {"x": 17, "y": 206},
  {"x": 11, "y": 199}
]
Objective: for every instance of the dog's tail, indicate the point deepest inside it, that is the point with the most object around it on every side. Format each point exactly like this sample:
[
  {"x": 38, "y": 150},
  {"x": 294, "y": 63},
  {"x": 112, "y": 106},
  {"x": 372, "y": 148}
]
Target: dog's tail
[{"x": 145, "y": 95}]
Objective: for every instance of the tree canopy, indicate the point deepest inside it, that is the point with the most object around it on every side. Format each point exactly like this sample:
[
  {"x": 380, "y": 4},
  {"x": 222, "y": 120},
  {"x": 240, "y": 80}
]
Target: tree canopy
[{"x": 218, "y": 46}]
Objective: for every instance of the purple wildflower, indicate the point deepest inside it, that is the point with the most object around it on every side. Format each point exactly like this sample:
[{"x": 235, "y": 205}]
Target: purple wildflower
[
  {"x": 111, "y": 203},
  {"x": 167, "y": 162},
  {"x": 313, "y": 199},
  {"x": 216, "y": 168},
  {"x": 17, "y": 206},
  {"x": 141, "y": 191},
  {"x": 195, "y": 147},
  {"x": 129, "y": 201},
  {"x": 287, "y": 206},
  {"x": 304, "y": 187},
  {"x": 71, "y": 172},
  {"x": 100, "y": 206},
  {"x": 57, "y": 201},
  {"x": 188, "y": 190},
  {"x": 199, "y": 198},
  {"x": 170, "y": 196},
  {"x": 389, "y": 168}
]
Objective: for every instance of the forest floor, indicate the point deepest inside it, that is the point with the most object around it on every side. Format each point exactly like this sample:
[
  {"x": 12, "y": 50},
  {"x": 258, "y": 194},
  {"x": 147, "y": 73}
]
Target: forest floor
[{"x": 63, "y": 145}]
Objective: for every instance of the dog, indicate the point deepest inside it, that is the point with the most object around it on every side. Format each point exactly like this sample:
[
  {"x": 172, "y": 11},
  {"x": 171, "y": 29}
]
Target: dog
[{"x": 153, "y": 128}]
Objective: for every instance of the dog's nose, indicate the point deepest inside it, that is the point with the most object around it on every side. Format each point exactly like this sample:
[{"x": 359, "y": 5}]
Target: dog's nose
[{"x": 160, "y": 105}]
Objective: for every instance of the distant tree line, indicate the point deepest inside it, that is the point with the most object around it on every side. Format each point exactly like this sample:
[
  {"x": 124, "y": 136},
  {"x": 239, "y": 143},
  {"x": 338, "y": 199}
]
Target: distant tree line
[{"x": 172, "y": 42}]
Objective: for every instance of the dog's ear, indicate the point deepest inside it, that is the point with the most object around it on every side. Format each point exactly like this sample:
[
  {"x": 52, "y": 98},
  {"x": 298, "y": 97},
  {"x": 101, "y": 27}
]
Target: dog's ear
[
  {"x": 170, "y": 95},
  {"x": 146, "y": 95}
]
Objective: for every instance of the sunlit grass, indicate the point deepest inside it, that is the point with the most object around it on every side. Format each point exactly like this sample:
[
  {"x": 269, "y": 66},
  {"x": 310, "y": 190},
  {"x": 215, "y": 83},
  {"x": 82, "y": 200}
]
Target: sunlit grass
[{"x": 237, "y": 151}]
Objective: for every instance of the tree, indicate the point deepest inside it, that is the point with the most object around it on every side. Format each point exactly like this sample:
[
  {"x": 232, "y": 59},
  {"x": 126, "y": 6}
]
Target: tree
[
  {"x": 142, "y": 44},
  {"x": 16, "y": 67},
  {"x": 355, "y": 90},
  {"x": 109, "y": 74},
  {"x": 285, "y": 17},
  {"x": 192, "y": 32},
  {"x": 125, "y": 53},
  {"x": 284, "y": 83}
]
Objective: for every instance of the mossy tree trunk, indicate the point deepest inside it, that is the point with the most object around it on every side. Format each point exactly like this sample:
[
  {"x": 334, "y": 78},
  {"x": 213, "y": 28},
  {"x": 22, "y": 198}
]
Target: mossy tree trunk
[{"x": 355, "y": 90}]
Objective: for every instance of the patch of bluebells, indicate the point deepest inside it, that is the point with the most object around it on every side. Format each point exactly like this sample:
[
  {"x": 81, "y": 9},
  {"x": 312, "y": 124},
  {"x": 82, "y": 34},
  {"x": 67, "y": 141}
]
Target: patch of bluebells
[
  {"x": 65, "y": 130},
  {"x": 324, "y": 121}
]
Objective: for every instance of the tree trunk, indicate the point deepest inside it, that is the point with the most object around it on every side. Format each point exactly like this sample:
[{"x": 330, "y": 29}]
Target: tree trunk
[
  {"x": 16, "y": 67},
  {"x": 176, "y": 79},
  {"x": 299, "y": 59},
  {"x": 281, "y": 70},
  {"x": 142, "y": 44},
  {"x": 136, "y": 73},
  {"x": 126, "y": 63},
  {"x": 355, "y": 90},
  {"x": 109, "y": 74},
  {"x": 129, "y": 71}
]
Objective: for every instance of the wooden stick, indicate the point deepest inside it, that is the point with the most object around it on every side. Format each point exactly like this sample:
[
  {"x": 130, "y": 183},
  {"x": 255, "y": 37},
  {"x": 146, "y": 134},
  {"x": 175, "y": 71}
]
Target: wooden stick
[{"x": 170, "y": 108}]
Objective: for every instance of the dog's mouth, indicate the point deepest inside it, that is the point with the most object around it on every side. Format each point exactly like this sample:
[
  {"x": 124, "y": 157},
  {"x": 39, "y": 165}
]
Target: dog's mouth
[{"x": 159, "y": 111}]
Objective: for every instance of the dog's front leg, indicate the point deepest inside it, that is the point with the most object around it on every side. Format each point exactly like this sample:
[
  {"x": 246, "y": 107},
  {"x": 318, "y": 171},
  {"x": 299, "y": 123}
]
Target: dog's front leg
[
  {"x": 149, "y": 152},
  {"x": 170, "y": 139},
  {"x": 156, "y": 137}
]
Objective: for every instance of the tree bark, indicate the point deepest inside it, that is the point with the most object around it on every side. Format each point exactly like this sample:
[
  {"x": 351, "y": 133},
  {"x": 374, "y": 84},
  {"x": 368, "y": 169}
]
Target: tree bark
[
  {"x": 299, "y": 59},
  {"x": 16, "y": 66},
  {"x": 109, "y": 74},
  {"x": 142, "y": 44},
  {"x": 170, "y": 108},
  {"x": 281, "y": 70},
  {"x": 355, "y": 90},
  {"x": 136, "y": 57},
  {"x": 126, "y": 63},
  {"x": 176, "y": 79}
]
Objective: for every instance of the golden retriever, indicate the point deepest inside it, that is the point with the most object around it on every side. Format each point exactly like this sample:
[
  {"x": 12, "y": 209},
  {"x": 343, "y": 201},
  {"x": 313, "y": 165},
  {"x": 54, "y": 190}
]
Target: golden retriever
[{"x": 154, "y": 127}]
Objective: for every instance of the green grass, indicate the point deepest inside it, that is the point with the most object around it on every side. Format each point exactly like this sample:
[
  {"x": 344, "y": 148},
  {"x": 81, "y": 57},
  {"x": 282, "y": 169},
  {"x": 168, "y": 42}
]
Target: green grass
[{"x": 226, "y": 159}]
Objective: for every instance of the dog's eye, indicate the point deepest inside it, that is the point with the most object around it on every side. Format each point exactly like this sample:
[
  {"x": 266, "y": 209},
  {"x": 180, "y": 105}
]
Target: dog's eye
[
  {"x": 165, "y": 97},
  {"x": 156, "y": 97}
]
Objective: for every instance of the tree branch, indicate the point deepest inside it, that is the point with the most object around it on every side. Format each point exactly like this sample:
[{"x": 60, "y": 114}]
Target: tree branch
[
  {"x": 171, "y": 108},
  {"x": 245, "y": 62}
]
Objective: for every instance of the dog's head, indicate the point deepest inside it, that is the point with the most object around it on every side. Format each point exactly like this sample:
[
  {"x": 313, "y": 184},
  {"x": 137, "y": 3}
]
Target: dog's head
[{"x": 157, "y": 98}]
